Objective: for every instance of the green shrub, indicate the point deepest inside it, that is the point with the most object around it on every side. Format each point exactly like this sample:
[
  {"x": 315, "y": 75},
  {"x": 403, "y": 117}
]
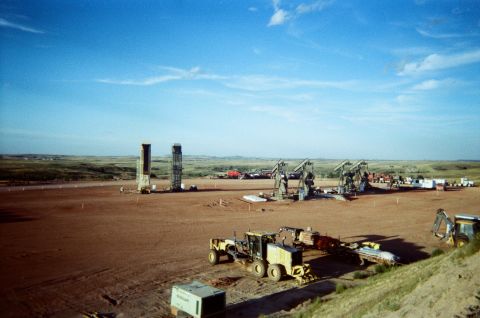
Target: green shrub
[
  {"x": 340, "y": 288},
  {"x": 360, "y": 275},
  {"x": 380, "y": 268},
  {"x": 437, "y": 252}
]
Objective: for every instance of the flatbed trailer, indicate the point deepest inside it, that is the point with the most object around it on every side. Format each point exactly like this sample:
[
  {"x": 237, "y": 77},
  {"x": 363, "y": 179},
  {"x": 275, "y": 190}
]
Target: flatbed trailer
[{"x": 363, "y": 252}]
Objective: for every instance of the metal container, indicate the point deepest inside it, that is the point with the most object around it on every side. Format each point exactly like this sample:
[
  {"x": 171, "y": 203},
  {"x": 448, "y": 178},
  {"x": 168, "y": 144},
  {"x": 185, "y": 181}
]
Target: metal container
[{"x": 198, "y": 300}]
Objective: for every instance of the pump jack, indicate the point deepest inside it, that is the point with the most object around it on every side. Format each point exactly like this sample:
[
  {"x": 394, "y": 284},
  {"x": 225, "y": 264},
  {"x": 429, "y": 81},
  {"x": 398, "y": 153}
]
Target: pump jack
[
  {"x": 305, "y": 182},
  {"x": 343, "y": 179},
  {"x": 359, "y": 176},
  {"x": 279, "y": 173}
]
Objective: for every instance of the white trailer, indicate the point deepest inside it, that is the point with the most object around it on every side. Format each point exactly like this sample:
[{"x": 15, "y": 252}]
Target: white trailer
[
  {"x": 424, "y": 183},
  {"x": 465, "y": 182}
]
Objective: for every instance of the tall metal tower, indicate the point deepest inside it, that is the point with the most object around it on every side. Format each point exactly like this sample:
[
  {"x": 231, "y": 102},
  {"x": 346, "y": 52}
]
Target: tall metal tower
[
  {"x": 144, "y": 169},
  {"x": 176, "y": 172}
]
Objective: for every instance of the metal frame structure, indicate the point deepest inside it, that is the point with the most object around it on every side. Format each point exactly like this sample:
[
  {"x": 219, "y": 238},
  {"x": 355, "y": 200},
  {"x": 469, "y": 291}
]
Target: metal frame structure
[
  {"x": 176, "y": 170},
  {"x": 343, "y": 175},
  {"x": 359, "y": 176},
  {"x": 305, "y": 181},
  {"x": 144, "y": 165},
  {"x": 280, "y": 188}
]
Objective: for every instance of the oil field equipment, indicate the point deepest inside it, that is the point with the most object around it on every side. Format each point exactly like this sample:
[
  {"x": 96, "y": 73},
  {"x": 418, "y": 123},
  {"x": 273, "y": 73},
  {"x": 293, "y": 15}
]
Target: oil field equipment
[
  {"x": 362, "y": 252},
  {"x": 359, "y": 177},
  {"x": 280, "y": 188},
  {"x": 197, "y": 300},
  {"x": 343, "y": 175},
  {"x": 176, "y": 172},
  {"x": 144, "y": 169},
  {"x": 460, "y": 231},
  {"x": 305, "y": 180},
  {"x": 265, "y": 256}
]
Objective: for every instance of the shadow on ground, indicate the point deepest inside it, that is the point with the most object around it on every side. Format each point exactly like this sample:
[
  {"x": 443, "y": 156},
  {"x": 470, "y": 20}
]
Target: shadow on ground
[
  {"x": 11, "y": 217},
  {"x": 407, "y": 251},
  {"x": 284, "y": 300}
]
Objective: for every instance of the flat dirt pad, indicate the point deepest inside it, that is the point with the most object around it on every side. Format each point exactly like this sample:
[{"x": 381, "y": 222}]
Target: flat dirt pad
[{"x": 73, "y": 250}]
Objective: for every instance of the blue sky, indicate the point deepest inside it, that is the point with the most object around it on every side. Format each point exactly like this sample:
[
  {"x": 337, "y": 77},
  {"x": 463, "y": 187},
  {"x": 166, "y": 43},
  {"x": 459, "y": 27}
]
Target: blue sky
[{"x": 318, "y": 79}]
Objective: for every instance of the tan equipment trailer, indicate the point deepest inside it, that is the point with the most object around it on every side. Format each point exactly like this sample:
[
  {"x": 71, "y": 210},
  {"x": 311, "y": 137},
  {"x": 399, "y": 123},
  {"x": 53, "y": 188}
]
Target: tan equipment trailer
[{"x": 363, "y": 252}]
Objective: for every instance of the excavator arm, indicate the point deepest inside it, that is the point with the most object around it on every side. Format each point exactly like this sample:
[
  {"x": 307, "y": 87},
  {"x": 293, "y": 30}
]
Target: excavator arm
[{"x": 441, "y": 217}]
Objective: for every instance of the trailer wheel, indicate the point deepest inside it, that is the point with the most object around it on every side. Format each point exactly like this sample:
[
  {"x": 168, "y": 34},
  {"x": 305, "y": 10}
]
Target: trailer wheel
[
  {"x": 213, "y": 257},
  {"x": 259, "y": 268},
  {"x": 275, "y": 272}
]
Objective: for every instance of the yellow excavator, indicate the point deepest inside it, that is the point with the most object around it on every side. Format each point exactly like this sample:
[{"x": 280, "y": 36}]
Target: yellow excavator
[{"x": 460, "y": 231}]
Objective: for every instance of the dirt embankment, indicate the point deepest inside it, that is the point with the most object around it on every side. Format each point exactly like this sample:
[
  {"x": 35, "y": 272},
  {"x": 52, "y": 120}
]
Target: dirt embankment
[{"x": 442, "y": 286}]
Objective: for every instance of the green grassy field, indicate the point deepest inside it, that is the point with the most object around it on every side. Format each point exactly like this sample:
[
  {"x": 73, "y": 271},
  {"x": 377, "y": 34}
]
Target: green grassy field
[{"x": 45, "y": 168}]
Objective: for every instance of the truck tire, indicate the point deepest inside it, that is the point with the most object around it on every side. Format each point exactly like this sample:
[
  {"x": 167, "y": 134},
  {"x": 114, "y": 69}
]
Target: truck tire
[
  {"x": 213, "y": 257},
  {"x": 461, "y": 240},
  {"x": 275, "y": 272},
  {"x": 259, "y": 268}
]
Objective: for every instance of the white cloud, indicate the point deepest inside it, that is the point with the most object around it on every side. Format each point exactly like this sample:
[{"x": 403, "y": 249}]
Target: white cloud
[
  {"x": 311, "y": 7},
  {"x": 252, "y": 83},
  {"x": 175, "y": 74},
  {"x": 252, "y": 9},
  {"x": 405, "y": 99},
  {"x": 433, "y": 84},
  {"x": 444, "y": 35},
  {"x": 279, "y": 17},
  {"x": 265, "y": 83},
  {"x": 414, "y": 50},
  {"x": 435, "y": 62},
  {"x": 16, "y": 26}
]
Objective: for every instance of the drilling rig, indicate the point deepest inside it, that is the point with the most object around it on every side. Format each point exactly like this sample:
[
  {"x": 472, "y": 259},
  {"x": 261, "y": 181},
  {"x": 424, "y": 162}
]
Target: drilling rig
[
  {"x": 176, "y": 172},
  {"x": 280, "y": 188},
  {"x": 344, "y": 176},
  {"x": 305, "y": 182},
  {"x": 144, "y": 169}
]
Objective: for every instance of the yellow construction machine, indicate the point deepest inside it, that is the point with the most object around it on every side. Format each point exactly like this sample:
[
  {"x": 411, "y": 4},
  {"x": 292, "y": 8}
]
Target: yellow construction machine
[
  {"x": 460, "y": 231},
  {"x": 265, "y": 255}
]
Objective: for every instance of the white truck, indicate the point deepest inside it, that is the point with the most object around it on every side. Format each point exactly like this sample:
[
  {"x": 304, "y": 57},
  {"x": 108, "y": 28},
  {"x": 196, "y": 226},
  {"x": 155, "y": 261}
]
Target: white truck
[
  {"x": 465, "y": 182},
  {"x": 424, "y": 183}
]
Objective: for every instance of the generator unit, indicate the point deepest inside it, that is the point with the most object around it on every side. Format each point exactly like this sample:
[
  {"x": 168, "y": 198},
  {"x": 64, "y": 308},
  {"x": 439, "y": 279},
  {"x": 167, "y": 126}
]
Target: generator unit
[{"x": 197, "y": 300}]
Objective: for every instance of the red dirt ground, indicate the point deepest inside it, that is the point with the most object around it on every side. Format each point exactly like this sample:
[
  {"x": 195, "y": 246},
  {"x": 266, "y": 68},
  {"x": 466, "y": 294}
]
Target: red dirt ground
[{"x": 73, "y": 250}]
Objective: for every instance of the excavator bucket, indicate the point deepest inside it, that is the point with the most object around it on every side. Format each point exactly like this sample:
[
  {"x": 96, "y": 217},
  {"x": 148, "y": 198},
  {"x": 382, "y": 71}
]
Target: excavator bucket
[
  {"x": 437, "y": 229},
  {"x": 304, "y": 274}
]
